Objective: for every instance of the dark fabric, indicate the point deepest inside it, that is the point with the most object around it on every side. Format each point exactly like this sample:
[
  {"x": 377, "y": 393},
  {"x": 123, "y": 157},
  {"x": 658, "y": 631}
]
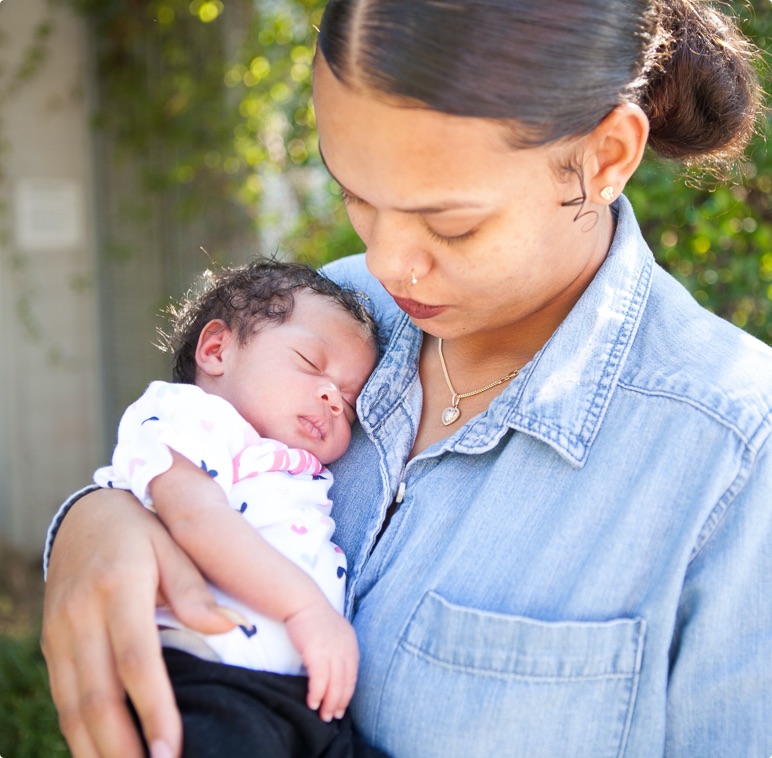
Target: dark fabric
[{"x": 240, "y": 713}]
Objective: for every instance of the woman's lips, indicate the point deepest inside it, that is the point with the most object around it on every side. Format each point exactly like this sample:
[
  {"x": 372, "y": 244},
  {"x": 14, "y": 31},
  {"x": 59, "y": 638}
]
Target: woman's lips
[{"x": 419, "y": 310}]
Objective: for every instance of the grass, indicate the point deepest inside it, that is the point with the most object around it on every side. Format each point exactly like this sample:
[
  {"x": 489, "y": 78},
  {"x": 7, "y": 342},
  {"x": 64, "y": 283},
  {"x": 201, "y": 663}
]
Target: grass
[{"x": 28, "y": 724}]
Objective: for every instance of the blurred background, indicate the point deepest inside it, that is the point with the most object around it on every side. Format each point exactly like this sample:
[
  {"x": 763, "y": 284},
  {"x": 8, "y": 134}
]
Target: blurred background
[{"x": 143, "y": 141}]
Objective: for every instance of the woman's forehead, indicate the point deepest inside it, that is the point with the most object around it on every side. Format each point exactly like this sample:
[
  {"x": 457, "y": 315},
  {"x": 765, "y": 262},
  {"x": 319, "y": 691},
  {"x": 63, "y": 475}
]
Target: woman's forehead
[
  {"x": 392, "y": 155},
  {"x": 355, "y": 118}
]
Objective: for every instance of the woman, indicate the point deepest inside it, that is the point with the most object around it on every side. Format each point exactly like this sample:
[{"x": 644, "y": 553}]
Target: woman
[{"x": 564, "y": 542}]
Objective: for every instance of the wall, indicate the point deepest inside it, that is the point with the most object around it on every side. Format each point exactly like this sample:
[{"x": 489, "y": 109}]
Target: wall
[{"x": 50, "y": 384}]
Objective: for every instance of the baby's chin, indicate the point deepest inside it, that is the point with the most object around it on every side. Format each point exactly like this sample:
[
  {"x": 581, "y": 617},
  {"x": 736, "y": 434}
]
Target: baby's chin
[
  {"x": 325, "y": 457},
  {"x": 327, "y": 454}
]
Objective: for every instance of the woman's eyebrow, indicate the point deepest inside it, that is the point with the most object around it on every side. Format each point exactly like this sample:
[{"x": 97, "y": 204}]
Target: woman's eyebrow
[{"x": 426, "y": 210}]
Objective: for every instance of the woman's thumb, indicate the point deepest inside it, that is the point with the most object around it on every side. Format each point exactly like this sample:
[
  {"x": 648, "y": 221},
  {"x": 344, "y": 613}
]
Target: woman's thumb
[{"x": 184, "y": 590}]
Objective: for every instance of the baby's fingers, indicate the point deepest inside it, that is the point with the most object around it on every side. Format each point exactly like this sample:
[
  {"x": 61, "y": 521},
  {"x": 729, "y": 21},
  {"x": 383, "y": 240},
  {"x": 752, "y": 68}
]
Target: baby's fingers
[
  {"x": 343, "y": 676},
  {"x": 349, "y": 683},
  {"x": 318, "y": 683},
  {"x": 328, "y": 646}
]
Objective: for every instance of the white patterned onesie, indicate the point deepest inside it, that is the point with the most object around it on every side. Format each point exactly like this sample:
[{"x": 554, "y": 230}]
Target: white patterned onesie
[{"x": 280, "y": 491}]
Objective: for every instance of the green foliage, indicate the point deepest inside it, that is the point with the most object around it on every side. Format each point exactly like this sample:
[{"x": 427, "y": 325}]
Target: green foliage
[
  {"x": 28, "y": 723},
  {"x": 212, "y": 102},
  {"x": 716, "y": 239},
  {"x": 214, "y": 99},
  {"x": 13, "y": 76},
  {"x": 717, "y": 242}
]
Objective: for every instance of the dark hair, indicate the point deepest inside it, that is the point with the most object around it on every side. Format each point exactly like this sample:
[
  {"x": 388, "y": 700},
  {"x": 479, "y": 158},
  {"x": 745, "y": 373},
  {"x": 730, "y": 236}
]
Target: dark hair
[
  {"x": 246, "y": 298},
  {"x": 556, "y": 69}
]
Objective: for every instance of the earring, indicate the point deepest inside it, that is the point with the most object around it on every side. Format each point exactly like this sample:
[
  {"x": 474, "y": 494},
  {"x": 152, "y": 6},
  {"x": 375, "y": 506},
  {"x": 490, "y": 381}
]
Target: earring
[
  {"x": 413, "y": 279},
  {"x": 607, "y": 193}
]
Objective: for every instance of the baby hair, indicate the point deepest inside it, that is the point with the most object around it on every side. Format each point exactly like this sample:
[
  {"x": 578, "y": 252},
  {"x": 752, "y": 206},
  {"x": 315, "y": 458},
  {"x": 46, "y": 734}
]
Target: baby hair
[{"x": 247, "y": 298}]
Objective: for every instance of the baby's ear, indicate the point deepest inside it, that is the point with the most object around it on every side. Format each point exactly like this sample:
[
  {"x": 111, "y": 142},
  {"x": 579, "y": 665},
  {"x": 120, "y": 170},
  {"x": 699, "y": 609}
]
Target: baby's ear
[{"x": 212, "y": 342}]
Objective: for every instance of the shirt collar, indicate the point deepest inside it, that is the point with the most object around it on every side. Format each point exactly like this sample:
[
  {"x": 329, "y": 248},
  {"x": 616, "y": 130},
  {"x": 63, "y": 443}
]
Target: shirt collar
[{"x": 561, "y": 396}]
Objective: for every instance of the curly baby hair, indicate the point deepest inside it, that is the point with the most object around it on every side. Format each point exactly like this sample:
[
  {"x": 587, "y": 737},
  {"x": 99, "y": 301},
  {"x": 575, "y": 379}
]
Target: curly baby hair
[{"x": 246, "y": 298}]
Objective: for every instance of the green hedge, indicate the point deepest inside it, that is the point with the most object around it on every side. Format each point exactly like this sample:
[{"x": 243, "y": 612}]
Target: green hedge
[
  {"x": 225, "y": 116},
  {"x": 28, "y": 724}
]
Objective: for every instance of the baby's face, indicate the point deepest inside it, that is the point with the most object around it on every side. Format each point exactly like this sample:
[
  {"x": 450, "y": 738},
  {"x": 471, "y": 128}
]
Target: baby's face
[{"x": 298, "y": 382}]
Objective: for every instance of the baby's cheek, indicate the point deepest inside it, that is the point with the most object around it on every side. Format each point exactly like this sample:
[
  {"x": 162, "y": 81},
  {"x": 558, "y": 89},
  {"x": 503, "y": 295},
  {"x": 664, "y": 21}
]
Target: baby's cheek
[{"x": 341, "y": 443}]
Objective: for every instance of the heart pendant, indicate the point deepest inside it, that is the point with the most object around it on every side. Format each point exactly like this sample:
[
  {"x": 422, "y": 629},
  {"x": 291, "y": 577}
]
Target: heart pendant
[{"x": 449, "y": 415}]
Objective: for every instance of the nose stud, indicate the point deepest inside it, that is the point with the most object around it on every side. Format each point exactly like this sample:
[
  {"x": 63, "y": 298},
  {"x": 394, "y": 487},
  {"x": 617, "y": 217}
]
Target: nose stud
[{"x": 413, "y": 279}]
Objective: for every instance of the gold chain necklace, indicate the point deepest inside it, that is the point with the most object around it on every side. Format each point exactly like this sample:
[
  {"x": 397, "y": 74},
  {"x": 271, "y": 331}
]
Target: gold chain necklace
[{"x": 451, "y": 413}]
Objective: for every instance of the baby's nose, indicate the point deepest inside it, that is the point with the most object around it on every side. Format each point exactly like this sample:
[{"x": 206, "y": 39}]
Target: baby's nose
[{"x": 330, "y": 395}]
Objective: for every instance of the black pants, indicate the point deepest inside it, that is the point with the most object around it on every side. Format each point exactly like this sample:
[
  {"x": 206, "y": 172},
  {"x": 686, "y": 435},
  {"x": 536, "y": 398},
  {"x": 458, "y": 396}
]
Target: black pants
[{"x": 239, "y": 713}]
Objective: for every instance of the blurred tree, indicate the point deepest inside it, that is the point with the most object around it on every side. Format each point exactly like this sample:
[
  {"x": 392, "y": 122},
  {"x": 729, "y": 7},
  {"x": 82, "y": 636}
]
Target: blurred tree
[
  {"x": 220, "y": 97},
  {"x": 717, "y": 238}
]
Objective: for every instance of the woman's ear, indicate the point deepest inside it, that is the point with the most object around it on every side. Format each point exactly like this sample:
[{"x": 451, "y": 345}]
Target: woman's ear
[
  {"x": 616, "y": 149},
  {"x": 213, "y": 340}
]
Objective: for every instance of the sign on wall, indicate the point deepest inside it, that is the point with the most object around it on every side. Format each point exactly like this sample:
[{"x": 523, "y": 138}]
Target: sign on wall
[{"x": 48, "y": 214}]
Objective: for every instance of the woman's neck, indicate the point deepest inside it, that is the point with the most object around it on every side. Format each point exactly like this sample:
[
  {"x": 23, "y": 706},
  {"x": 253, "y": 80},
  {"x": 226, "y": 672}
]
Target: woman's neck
[{"x": 475, "y": 360}]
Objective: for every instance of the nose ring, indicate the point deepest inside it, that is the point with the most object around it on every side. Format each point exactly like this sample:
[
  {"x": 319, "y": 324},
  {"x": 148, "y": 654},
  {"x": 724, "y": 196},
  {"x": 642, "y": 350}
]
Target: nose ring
[{"x": 413, "y": 279}]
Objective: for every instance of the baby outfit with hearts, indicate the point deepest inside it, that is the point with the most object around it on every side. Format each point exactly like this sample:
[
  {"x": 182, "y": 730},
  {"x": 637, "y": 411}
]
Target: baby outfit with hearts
[{"x": 280, "y": 491}]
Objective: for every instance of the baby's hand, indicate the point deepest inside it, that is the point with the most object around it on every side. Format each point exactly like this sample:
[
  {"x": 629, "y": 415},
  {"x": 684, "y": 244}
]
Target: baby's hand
[{"x": 328, "y": 647}]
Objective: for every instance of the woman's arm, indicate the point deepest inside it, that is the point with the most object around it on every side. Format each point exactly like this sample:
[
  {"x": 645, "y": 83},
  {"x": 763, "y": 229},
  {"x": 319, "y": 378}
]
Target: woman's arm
[
  {"x": 720, "y": 688},
  {"x": 111, "y": 562}
]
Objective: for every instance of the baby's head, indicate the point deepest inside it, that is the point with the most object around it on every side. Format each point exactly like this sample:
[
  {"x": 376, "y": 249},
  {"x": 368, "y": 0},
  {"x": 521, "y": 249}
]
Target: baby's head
[{"x": 287, "y": 347}]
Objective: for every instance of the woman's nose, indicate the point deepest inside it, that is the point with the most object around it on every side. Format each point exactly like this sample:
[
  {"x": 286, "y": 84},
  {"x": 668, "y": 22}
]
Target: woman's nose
[
  {"x": 394, "y": 249},
  {"x": 330, "y": 395}
]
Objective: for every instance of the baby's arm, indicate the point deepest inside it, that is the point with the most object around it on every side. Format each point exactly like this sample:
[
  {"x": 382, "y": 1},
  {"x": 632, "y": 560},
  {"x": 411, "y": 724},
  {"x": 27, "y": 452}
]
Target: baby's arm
[{"x": 233, "y": 555}]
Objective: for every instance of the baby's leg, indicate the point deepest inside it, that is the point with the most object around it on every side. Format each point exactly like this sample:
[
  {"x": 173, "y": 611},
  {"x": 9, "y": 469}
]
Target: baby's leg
[{"x": 236, "y": 712}]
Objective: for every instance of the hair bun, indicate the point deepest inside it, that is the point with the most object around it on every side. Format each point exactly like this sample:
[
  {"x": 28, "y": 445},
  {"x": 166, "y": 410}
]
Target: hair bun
[{"x": 703, "y": 95}]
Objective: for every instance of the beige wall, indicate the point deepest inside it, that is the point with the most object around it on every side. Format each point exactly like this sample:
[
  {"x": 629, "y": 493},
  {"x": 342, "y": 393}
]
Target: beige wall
[{"x": 50, "y": 416}]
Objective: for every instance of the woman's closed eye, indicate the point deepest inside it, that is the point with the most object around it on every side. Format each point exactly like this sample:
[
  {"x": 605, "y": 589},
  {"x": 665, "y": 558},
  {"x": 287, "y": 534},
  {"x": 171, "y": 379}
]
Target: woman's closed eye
[
  {"x": 348, "y": 198},
  {"x": 447, "y": 239},
  {"x": 450, "y": 239}
]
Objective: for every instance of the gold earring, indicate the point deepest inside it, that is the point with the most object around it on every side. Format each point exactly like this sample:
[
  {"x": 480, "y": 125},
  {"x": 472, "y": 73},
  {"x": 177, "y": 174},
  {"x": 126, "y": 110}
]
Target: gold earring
[
  {"x": 607, "y": 193},
  {"x": 413, "y": 279}
]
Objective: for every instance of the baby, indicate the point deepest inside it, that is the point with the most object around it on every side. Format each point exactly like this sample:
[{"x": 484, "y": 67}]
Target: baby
[{"x": 268, "y": 363}]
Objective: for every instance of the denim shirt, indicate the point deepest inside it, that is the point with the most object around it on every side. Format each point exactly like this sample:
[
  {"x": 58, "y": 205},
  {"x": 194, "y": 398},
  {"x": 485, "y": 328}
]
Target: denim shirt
[{"x": 584, "y": 569}]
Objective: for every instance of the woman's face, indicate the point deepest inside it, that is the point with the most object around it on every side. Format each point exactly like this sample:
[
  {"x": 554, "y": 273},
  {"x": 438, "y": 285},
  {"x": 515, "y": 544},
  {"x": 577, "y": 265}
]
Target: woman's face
[{"x": 481, "y": 225}]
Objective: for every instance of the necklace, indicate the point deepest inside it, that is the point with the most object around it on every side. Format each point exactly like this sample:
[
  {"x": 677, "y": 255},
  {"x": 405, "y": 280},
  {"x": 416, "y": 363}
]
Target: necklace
[{"x": 452, "y": 412}]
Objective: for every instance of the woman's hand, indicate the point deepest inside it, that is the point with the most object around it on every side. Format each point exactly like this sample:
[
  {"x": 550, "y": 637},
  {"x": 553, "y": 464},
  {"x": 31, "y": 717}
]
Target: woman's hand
[{"x": 111, "y": 563}]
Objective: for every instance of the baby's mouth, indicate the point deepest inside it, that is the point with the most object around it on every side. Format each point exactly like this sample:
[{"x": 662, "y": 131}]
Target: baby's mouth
[{"x": 313, "y": 427}]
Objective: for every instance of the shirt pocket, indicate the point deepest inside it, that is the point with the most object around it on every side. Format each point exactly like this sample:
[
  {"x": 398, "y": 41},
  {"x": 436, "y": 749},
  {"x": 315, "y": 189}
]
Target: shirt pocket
[{"x": 465, "y": 682}]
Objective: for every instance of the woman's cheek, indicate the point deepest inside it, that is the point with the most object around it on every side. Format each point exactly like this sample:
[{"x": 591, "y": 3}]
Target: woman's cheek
[{"x": 362, "y": 222}]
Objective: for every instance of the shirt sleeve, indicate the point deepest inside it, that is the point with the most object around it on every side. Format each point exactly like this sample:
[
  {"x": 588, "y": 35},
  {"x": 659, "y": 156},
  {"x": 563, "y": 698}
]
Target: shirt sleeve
[
  {"x": 202, "y": 427},
  {"x": 64, "y": 509},
  {"x": 720, "y": 689}
]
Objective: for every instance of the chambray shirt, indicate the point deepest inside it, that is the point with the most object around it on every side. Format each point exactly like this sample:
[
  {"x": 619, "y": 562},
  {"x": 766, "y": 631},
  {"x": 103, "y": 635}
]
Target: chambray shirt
[{"x": 584, "y": 569}]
